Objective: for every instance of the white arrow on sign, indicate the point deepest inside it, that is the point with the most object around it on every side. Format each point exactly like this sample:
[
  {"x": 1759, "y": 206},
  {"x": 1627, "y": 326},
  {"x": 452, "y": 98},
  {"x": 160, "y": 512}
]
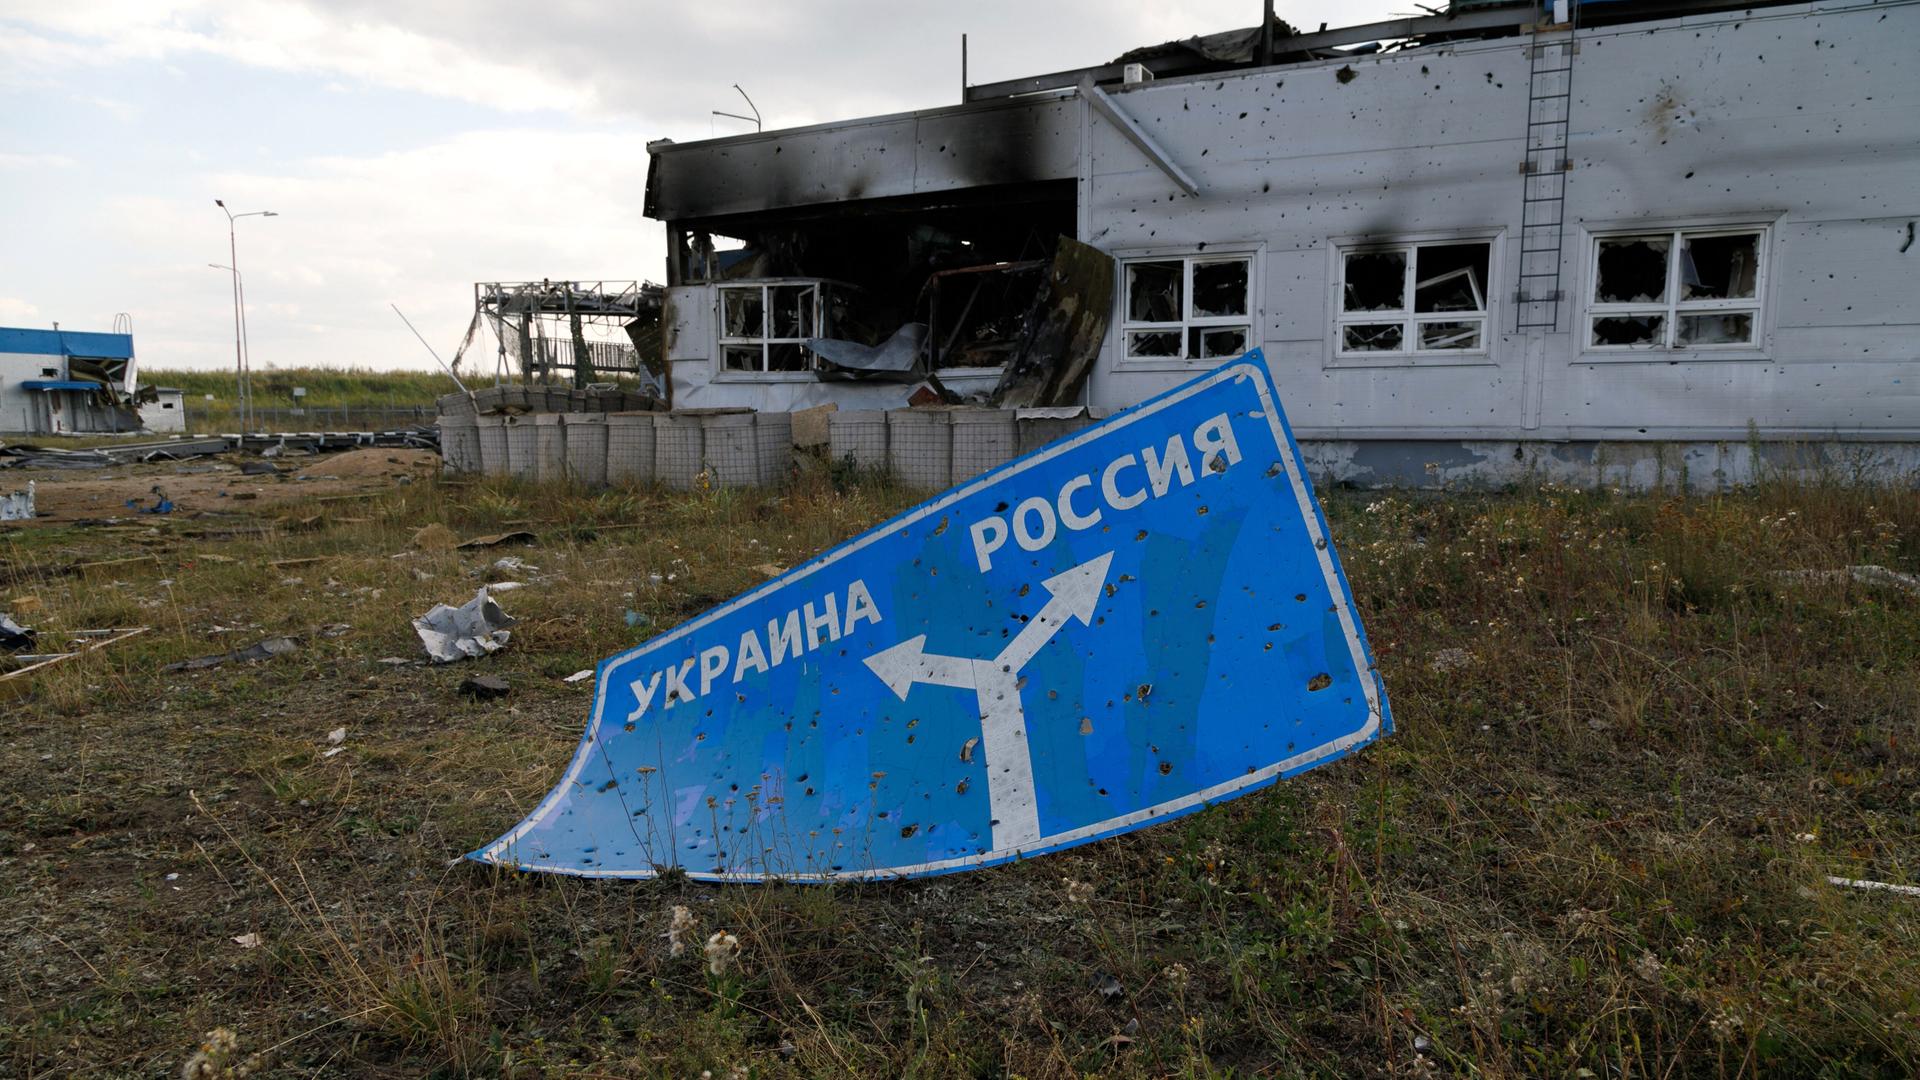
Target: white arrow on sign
[{"x": 1073, "y": 594}]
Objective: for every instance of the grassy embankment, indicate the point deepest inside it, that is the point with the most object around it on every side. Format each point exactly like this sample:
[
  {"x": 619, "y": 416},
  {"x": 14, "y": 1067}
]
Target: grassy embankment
[
  {"x": 327, "y": 388},
  {"x": 1629, "y": 756}
]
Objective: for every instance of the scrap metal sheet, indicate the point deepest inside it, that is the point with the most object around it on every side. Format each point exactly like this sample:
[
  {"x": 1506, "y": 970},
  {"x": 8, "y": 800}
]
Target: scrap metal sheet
[{"x": 1119, "y": 628}]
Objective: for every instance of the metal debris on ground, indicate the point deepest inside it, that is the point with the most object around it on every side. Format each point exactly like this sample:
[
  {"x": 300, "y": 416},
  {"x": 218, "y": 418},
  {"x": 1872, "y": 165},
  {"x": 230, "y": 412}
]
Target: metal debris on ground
[
  {"x": 473, "y": 629},
  {"x": 14, "y": 637},
  {"x": 265, "y": 649},
  {"x": 1861, "y": 575},
  {"x": 18, "y": 505},
  {"x": 497, "y": 539},
  {"x": 485, "y": 687},
  {"x": 33, "y": 457},
  {"x": 1874, "y": 886},
  {"x": 79, "y": 643}
]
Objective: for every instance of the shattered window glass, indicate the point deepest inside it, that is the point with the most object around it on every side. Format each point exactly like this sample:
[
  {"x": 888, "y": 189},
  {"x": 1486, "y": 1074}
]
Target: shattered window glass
[
  {"x": 741, "y": 313},
  {"x": 1632, "y": 270},
  {"x": 1642, "y": 330},
  {"x": 1153, "y": 292},
  {"x": 1728, "y": 328},
  {"x": 1375, "y": 281},
  {"x": 1436, "y": 293},
  {"x": 1216, "y": 342},
  {"x": 793, "y": 307},
  {"x": 1220, "y": 288},
  {"x": 1450, "y": 277},
  {"x": 1450, "y": 335},
  {"x": 1705, "y": 296},
  {"x": 1153, "y": 343},
  {"x": 1194, "y": 308},
  {"x": 1719, "y": 267},
  {"x": 1372, "y": 337},
  {"x": 786, "y": 356},
  {"x": 764, "y": 324}
]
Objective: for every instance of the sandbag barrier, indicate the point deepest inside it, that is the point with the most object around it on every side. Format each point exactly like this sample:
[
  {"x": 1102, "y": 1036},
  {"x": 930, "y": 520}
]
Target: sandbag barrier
[{"x": 926, "y": 448}]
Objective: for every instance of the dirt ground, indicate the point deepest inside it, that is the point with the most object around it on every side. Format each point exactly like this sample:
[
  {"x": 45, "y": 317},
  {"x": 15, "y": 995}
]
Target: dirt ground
[
  {"x": 212, "y": 485},
  {"x": 1636, "y": 738}
]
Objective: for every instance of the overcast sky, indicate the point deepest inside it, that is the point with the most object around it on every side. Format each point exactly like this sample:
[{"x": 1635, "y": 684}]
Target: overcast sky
[{"x": 413, "y": 147}]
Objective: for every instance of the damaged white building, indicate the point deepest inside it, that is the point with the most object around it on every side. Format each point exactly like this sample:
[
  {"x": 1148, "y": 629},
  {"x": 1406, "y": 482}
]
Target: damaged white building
[
  {"x": 66, "y": 382},
  {"x": 1673, "y": 237}
]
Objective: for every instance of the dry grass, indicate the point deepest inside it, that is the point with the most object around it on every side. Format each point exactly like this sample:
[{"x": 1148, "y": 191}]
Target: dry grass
[{"x": 1628, "y": 757}]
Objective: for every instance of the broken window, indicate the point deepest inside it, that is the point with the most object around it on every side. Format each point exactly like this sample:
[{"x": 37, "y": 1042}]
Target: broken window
[
  {"x": 764, "y": 325},
  {"x": 1414, "y": 298},
  {"x": 1190, "y": 308},
  {"x": 977, "y": 315},
  {"x": 1680, "y": 289}
]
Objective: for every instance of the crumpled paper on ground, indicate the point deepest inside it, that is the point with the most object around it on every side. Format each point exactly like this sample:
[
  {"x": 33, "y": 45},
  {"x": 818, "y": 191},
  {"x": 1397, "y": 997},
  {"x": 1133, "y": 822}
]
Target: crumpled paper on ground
[{"x": 473, "y": 629}]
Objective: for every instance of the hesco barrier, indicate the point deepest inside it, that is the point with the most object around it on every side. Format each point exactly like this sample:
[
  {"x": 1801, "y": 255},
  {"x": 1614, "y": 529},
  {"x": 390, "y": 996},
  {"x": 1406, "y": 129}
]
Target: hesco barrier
[{"x": 930, "y": 448}]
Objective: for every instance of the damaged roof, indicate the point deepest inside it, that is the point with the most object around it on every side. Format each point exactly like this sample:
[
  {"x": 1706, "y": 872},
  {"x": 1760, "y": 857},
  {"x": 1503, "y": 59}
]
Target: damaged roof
[
  {"x": 988, "y": 144},
  {"x": 35, "y": 342}
]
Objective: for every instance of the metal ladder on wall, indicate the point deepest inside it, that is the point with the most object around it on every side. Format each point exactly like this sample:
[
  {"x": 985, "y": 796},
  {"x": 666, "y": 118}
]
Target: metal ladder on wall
[{"x": 1543, "y": 205}]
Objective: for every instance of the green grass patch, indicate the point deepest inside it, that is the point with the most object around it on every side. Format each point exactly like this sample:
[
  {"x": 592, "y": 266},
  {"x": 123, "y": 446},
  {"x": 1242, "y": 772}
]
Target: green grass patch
[{"x": 1630, "y": 751}]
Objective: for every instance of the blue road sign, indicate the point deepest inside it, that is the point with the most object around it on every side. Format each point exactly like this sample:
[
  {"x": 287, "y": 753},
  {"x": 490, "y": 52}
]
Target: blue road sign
[{"x": 1121, "y": 627}]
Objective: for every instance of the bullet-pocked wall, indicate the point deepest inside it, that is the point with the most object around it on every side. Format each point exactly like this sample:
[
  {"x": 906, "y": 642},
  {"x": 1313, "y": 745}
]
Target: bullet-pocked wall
[{"x": 1737, "y": 247}]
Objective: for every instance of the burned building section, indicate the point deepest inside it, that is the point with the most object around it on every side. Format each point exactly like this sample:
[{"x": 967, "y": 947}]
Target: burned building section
[
  {"x": 1526, "y": 234},
  {"x": 845, "y": 260}
]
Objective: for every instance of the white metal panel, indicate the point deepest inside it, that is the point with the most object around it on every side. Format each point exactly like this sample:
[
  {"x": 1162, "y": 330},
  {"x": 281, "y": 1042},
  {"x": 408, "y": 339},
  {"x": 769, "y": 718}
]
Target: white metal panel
[{"x": 1800, "y": 118}]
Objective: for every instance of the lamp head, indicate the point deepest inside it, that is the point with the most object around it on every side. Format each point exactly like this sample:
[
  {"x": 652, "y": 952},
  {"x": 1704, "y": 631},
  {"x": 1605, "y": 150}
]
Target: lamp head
[{"x": 221, "y": 203}]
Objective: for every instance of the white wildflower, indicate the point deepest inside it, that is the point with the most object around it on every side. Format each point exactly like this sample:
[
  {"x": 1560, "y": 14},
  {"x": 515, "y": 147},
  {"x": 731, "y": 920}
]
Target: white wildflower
[
  {"x": 679, "y": 929},
  {"x": 1648, "y": 967},
  {"x": 218, "y": 1059},
  {"x": 722, "y": 948}
]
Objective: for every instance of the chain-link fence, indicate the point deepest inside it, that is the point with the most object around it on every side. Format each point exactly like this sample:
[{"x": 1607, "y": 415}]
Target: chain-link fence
[{"x": 206, "y": 418}]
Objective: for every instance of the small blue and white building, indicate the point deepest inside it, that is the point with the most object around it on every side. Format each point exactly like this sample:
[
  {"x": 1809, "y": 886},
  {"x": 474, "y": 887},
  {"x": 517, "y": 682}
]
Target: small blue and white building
[{"x": 66, "y": 382}]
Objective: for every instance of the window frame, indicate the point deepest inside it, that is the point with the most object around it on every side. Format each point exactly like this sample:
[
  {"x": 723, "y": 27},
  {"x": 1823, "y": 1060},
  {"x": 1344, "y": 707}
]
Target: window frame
[
  {"x": 1672, "y": 308},
  {"x": 1409, "y": 319},
  {"x": 1187, "y": 257},
  {"x": 723, "y": 373}
]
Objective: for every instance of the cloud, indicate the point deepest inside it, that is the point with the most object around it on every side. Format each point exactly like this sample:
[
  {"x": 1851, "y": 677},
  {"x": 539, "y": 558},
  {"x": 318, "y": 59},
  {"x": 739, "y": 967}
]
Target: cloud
[
  {"x": 546, "y": 179},
  {"x": 286, "y": 37},
  {"x": 416, "y": 227},
  {"x": 36, "y": 161},
  {"x": 668, "y": 63}
]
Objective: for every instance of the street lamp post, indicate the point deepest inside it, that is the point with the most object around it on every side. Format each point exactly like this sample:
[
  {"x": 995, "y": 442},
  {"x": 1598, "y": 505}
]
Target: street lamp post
[
  {"x": 243, "y": 376},
  {"x": 240, "y": 386}
]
